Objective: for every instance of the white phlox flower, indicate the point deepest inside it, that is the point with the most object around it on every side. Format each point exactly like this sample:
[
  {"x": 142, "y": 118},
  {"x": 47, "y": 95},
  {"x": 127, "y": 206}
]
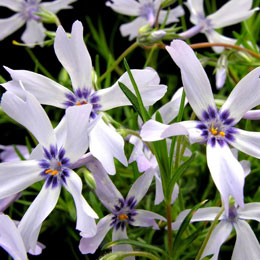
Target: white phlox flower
[
  {"x": 214, "y": 127},
  {"x": 24, "y": 14},
  {"x": 146, "y": 11},
  {"x": 104, "y": 142},
  {"x": 50, "y": 161}
]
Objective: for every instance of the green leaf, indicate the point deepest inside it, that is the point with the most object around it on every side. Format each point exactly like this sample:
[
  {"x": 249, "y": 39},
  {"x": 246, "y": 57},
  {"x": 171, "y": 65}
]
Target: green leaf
[
  {"x": 123, "y": 255},
  {"x": 20, "y": 155}
]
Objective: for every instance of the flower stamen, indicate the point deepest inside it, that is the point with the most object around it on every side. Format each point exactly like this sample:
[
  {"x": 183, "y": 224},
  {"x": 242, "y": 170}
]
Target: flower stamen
[{"x": 122, "y": 217}]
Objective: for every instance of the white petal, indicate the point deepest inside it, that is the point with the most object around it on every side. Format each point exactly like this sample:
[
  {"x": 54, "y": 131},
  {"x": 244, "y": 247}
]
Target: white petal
[
  {"x": 195, "y": 81},
  {"x": 217, "y": 238},
  {"x": 140, "y": 186},
  {"x": 195, "y": 7},
  {"x": 17, "y": 176},
  {"x": 10, "y": 238},
  {"x": 105, "y": 144},
  {"x": 14, "y": 5},
  {"x": 246, "y": 166},
  {"x": 234, "y": 11},
  {"x": 145, "y": 218},
  {"x": 216, "y": 37},
  {"x": 56, "y": 6},
  {"x": 204, "y": 214},
  {"x": 185, "y": 128},
  {"x": 246, "y": 246},
  {"x": 30, "y": 114},
  {"x": 132, "y": 27},
  {"x": 85, "y": 214},
  {"x": 127, "y": 7},
  {"x": 147, "y": 81},
  {"x": 77, "y": 123},
  {"x": 173, "y": 15},
  {"x": 6, "y": 202},
  {"x": 9, "y": 154},
  {"x": 10, "y": 25},
  {"x": 34, "y": 33},
  {"x": 41, "y": 207},
  {"x": 106, "y": 191},
  {"x": 90, "y": 245},
  {"x": 47, "y": 91},
  {"x": 73, "y": 55},
  {"x": 170, "y": 110},
  {"x": 241, "y": 99},
  {"x": 118, "y": 235},
  {"x": 226, "y": 172},
  {"x": 247, "y": 142},
  {"x": 250, "y": 211},
  {"x": 152, "y": 130}
]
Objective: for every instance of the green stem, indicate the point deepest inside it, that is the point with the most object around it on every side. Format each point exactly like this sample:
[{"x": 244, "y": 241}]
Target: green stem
[
  {"x": 198, "y": 257},
  {"x": 119, "y": 59},
  {"x": 169, "y": 227}
]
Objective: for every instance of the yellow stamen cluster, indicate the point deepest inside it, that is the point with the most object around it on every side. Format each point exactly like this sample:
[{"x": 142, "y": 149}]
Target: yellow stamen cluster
[
  {"x": 122, "y": 217},
  {"x": 215, "y": 131},
  {"x": 52, "y": 172},
  {"x": 84, "y": 102}
]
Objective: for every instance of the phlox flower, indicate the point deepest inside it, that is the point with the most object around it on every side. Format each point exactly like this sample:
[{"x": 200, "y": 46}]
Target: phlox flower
[
  {"x": 104, "y": 142},
  {"x": 24, "y": 14},
  {"x": 50, "y": 161},
  {"x": 123, "y": 210},
  {"x": 8, "y": 152},
  {"x": 246, "y": 246},
  {"x": 233, "y": 12},
  {"x": 215, "y": 128},
  {"x": 146, "y": 11}
]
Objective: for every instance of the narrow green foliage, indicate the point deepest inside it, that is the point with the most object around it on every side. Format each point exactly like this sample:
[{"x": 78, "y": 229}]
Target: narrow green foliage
[
  {"x": 123, "y": 255},
  {"x": 18, "y": 153}
]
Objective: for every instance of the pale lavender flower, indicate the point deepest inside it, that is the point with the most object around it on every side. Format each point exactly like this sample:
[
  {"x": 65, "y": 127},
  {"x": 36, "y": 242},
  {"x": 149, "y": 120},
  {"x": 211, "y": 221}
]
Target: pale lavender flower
[
  {"x": 221, "y": 71},
  {"x": 10, "y": 238},
  {"x": 246, "y": 246},
  {"x": 233, "y": 12},
  {"x": 215, "y": 128},
  {"x": 123, "y": 211},
  {"x": 25, "y": 9},
  {"x": 49, "y": 161},
  {"x": 8, "y": 152},
  {"x": 105, "y": 143},
  {"x": 146, "y": 11}
]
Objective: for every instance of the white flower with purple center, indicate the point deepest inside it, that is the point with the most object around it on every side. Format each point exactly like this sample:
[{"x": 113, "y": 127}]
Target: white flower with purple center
[
  {"x": 233, "y": 12},
  {"x": 25, "y": 14},
  {"x": 246, "y": 246},
  {"x": 52, "y": 161},
  {"x": 215, "y": 128},
  {"x": 146, "y": 11},
  {"x": 105, "y": 143},
  {"x": 123, "y": 211}
]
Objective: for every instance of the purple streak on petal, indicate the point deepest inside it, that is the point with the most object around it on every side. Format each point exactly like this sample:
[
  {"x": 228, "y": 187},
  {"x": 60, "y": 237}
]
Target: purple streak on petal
[
  {"x": 47, "y": 154},
  {"x": 71, "y": 97},
  {"x": 212, "y": 113},
  {"x": 205, "y": 115},
  {"x": 201, "y": 126},
  {"x": 66, "y": 172},
  {"x": 205, "y": 133},
  {"x": 85, "y": 93},
  {"x": 94, "y": 98},
  {"x": 212, "y": 141},
  {"x": 53, "y": 151},
  {"x": 229, "y": 121},
  {"x": 63, "y": 179},
  {"x": 65, "y": 162},
  {"x": 221, "y": 142},
  {"x": 224, "y": 115},
  {"x": 78, "y": 93},
  {"x": 61, "y": 153},
  {"x": 54, "y": 182},
  {"x": 49, "y": 181},
  {"x": 68, "y": 104},
  {"x": 96, "y": 106},
  {"x": 44, "y": 164}
]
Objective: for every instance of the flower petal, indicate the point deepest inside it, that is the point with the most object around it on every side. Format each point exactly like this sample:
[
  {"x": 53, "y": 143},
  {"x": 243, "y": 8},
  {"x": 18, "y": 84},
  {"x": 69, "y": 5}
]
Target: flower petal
[
  {"x": 241, "y": 99},
  {"x": 10, "y": 25},
  {"x": 246, "y": 246},
  {"x": 246, "y": 166},
  {"x": 106, "y": 191},
  {"x": 56, "y": 6},
  {"x": 17, "y": 176},
  {"x": 147, "y": 81},
  {"x": 247, "y": 142},
  {"x": 204, "y": 214},
  {"x": 234, "y": 11},
  {"x": 6, "y": 202},
  {"x": 34, "y": 33},
  {"x": 77, "y": 124},
  {"x": 85, "y": 214},
  {"x": 217, "y": 238},
  {"x": 195, "y": 81},
  {"x": 30, "y": 114},
  {"x": 145, "y": 218},
  {"x": 73, "y": 55},
  {"x": 131, "y": 29},
  {"x": 173, "y": 15},
  {"x": 90, "y": 245},
  {"x": 127, "y": 7},
  {"x": 9, "y": 154},
  {"x": 250, "y": 211},
  {"x": 195, "y": 7},
  {"x": 14, "y": 5},
  {"x": 226, "y": 172},
  {"x": 38, "y": 211},
  {"x": 47, "y": 91},
  {"x": 10, "y": 238},
  {"x": 118, "y": 235},
  {"x": 105, "y": 144},
  {"x": 141, "y": 186}
]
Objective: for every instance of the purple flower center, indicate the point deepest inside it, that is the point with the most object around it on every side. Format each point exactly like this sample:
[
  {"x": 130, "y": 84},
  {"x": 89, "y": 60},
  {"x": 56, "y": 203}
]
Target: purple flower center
[
  {"x": 232, "y": 214},
  {"x": 82, "y": 97},
  {"x": 147, "y": 11},
  {"x": 29, "y": 8},
  {"x": 217, "y": 127},
  {"x": 55, "y": 166},
  {"x": 124, "y": 212}
]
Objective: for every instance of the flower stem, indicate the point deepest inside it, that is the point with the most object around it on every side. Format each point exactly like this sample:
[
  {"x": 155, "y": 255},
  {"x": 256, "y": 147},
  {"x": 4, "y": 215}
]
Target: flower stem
[
  {"x": 169, "y": 227},
  {"x": 119, "y": 59}
]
